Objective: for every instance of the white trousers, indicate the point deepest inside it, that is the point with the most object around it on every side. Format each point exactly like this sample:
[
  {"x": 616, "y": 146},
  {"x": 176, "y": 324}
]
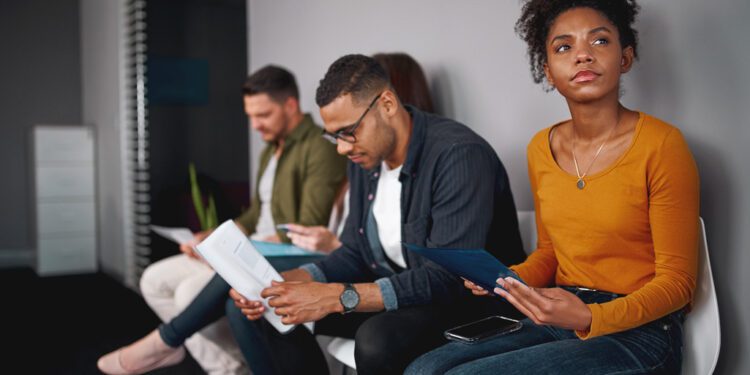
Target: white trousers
[{"x": 169, "y": 286}]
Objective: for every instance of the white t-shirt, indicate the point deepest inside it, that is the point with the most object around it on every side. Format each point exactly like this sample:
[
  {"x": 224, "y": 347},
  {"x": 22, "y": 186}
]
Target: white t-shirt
[
  {"x": 266, "y": 226},
  {"x": 387, "y": 211},
  {"x": 338, "y": 216}
]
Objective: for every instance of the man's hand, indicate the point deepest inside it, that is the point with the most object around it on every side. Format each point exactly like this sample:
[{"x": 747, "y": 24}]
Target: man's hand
[
  {"x": 253, "y": 310},
  {"x": 317, "y": 238},
  {"x": 297, "y": 274},
  {"x": 546, "y": 306},
  {"x": 189, "y": 247},
  {"x": 301, "y": 302}
]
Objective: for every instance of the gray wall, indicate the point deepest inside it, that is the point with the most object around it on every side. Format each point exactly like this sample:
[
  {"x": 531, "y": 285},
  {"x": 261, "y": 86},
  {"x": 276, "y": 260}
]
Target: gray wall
[
  {"x": 691, "y": 73},
  {"x": 101, "y": 52},
  {"x": 40, "y": 73}
]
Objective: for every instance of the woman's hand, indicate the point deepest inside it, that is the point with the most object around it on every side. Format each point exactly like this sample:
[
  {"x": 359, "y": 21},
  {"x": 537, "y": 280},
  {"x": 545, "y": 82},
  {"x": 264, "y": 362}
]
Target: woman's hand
[
  {"x": 317, "y": 238},
  {"x": 475, "y": 289},
  {"x": 546, "y": 306}
]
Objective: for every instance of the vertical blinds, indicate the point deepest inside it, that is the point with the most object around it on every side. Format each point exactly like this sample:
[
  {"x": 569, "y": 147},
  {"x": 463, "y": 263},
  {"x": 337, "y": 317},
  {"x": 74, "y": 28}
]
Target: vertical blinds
[{"x": 137, "y": 241}]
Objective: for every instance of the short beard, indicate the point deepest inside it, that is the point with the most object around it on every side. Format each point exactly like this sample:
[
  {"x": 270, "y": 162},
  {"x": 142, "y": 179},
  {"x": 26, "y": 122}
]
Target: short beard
[{"x": 388, "y": 137}]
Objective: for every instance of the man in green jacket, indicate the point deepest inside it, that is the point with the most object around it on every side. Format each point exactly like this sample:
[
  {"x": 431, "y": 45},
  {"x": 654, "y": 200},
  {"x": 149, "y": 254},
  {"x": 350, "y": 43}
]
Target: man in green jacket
[
  {"x": 299, "y": 173},
  {"x": 299, "y": 176}
]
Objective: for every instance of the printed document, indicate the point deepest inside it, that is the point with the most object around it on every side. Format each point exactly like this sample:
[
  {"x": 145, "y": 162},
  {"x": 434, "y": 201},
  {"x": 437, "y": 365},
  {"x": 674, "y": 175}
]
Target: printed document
[{"x": 234, "y": 257}]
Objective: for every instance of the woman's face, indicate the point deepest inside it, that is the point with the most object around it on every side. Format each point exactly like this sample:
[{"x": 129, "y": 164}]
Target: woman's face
[{"x": 584, "y": 56}]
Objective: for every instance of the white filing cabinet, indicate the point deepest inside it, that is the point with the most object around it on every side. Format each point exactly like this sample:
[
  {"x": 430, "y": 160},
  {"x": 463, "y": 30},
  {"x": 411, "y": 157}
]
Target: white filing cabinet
[{"x": 65, "y": 199}]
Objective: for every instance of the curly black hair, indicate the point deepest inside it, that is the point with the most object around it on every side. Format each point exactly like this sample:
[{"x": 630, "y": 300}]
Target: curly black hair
[
  {"x": 537, "y": 17},
  {"x": 358, "y": 75}
]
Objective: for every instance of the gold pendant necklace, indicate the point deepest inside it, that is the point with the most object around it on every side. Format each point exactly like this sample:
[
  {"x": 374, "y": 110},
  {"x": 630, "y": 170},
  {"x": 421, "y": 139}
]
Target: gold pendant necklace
[{"x": 581, "y": 183}]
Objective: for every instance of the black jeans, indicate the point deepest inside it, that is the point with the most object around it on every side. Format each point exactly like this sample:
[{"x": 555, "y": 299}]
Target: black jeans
[
  {"x": 208, "y": 305},
  {"x": 386, "y": 342}
]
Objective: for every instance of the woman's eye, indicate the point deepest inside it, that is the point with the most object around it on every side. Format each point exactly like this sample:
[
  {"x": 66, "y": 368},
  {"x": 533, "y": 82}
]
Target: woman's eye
[
  {"x": 601, "y": 41},
  {"x": 562, "y": 48}
]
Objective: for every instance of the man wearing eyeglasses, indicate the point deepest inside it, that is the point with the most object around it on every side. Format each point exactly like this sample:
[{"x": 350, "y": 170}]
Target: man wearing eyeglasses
[
  {"x": 415, "y": 178},
  {"x": 299, "y": 176}
]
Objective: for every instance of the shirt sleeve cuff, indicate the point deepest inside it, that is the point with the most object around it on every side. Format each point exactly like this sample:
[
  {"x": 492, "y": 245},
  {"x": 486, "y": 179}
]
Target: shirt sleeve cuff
[
  {"x": 593, "y": 330},
  {"x": 389, "y": 294},
  {"x": 314, "y": 271}
]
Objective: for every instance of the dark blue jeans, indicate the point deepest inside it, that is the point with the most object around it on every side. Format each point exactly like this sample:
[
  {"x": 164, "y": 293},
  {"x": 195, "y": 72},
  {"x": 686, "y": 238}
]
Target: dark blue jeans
[
  {"x": 654, "y": 347},
  {"x": 209, "y": 305},
  {"x": 385, "y": 342}
]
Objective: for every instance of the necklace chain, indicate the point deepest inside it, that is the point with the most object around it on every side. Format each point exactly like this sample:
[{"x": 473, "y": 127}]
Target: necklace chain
[{"x": 581, "y": 183}]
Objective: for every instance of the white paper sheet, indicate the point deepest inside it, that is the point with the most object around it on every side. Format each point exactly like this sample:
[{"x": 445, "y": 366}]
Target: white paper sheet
[
  {"x": 179, "y": 235},
  {"x": 231, "y": 254}
]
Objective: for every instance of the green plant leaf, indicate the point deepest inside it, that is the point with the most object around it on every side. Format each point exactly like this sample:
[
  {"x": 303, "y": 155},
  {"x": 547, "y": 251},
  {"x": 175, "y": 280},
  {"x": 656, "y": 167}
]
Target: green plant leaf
[
  {"x": 197, "y": 198},
  {"x": 211, "y": 217}
]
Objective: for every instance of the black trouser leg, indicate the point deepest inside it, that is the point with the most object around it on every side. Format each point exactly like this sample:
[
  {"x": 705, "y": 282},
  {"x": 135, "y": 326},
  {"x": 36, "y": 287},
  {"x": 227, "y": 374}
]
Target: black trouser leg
[
  {"x": 385, "y": 343},
  {"x": 388, "y": 342},
  {"x": 269, "y": 352}
]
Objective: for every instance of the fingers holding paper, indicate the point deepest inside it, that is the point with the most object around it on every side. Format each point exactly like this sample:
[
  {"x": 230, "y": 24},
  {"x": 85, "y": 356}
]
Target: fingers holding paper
[
  {"x": 301, "y": 302},
  {"x": 546, "y": 306},
  {"x": 253, "y": 310},
  {"x": 188, "y": 248}
]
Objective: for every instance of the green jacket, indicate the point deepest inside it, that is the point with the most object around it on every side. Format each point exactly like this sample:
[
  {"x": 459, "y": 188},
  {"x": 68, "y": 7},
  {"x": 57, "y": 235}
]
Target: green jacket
[{"x": 309, "y": 173}]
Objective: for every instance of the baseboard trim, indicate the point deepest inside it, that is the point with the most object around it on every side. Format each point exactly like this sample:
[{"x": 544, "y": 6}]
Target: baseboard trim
[{"x": 16, "y": 258}]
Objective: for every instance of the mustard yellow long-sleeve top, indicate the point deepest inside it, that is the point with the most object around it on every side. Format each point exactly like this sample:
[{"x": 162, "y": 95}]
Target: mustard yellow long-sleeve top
[{"x": 632, "y": 230}]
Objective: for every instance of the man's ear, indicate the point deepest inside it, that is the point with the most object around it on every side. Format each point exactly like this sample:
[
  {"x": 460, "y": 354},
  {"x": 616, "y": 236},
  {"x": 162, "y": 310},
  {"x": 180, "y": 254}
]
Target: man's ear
[
  {"x": 291, "y": 105},
  {"x": 389, "y": 102}
]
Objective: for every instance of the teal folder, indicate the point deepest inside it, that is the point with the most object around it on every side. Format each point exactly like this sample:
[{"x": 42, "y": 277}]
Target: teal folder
[{"x": 273, "y": 249}]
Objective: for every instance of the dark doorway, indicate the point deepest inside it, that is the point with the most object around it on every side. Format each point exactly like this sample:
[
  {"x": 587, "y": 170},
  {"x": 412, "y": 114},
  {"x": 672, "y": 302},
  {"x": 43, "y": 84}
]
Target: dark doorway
[{"x": 196, "y": 63}]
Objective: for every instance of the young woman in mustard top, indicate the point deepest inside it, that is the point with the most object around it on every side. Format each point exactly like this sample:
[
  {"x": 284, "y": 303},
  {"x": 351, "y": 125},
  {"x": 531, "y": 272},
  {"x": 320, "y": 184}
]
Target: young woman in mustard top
[{"x": 616, "y": 199}]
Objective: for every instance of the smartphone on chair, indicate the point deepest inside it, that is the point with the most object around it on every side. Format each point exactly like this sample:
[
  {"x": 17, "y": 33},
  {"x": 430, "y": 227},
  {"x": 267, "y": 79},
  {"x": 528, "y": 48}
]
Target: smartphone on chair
[{"x": 482, "y": 329}]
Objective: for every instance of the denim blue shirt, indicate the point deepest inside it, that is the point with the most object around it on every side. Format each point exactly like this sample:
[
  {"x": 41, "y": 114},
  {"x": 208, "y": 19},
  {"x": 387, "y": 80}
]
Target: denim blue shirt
[{"x": 454, "y": 194}]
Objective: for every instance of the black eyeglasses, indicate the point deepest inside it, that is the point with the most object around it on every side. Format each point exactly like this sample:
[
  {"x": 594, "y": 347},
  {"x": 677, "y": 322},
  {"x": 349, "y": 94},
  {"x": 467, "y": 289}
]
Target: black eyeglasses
[{"x": 347, "y": 134}]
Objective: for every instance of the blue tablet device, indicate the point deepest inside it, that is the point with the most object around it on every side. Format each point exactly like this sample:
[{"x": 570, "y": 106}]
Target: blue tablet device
[{"x": 475, "y": 265}]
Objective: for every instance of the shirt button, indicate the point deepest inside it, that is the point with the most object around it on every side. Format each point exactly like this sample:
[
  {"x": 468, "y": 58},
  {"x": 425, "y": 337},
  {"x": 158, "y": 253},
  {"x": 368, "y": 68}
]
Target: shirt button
[
  {"x": 361, "y": 231},
  {"x": 374, "y": 266},
  {"x": 377, "y": 174},
  {"x": 369, "y": 197}
]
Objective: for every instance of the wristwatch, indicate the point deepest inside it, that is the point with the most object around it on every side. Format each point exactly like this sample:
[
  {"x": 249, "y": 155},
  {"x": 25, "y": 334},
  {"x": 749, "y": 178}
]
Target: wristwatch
[{"x": 349, "y": 298}]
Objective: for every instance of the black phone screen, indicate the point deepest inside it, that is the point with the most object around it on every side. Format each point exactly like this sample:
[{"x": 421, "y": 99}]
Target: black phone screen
[{"x": 484, "y": 328}]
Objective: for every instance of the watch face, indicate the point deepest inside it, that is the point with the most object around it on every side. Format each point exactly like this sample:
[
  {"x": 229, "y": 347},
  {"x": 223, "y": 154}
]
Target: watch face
[{"x": 349, "y": 299}]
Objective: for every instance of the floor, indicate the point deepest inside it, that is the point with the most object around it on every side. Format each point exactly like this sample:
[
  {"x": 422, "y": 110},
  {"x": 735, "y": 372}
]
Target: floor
[{"x": 61, "y": 325}]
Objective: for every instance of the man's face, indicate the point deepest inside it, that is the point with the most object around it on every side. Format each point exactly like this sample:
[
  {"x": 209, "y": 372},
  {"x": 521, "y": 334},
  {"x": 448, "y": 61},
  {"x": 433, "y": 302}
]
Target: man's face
[
  {"x": 268, "y": 117},
  {"x": 376, "y": 140}
]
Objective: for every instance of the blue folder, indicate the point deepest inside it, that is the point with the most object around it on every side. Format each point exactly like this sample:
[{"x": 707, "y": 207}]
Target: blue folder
[
  {"x": 475, "y": 265},
  {"x": 273, "y": 249}
]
